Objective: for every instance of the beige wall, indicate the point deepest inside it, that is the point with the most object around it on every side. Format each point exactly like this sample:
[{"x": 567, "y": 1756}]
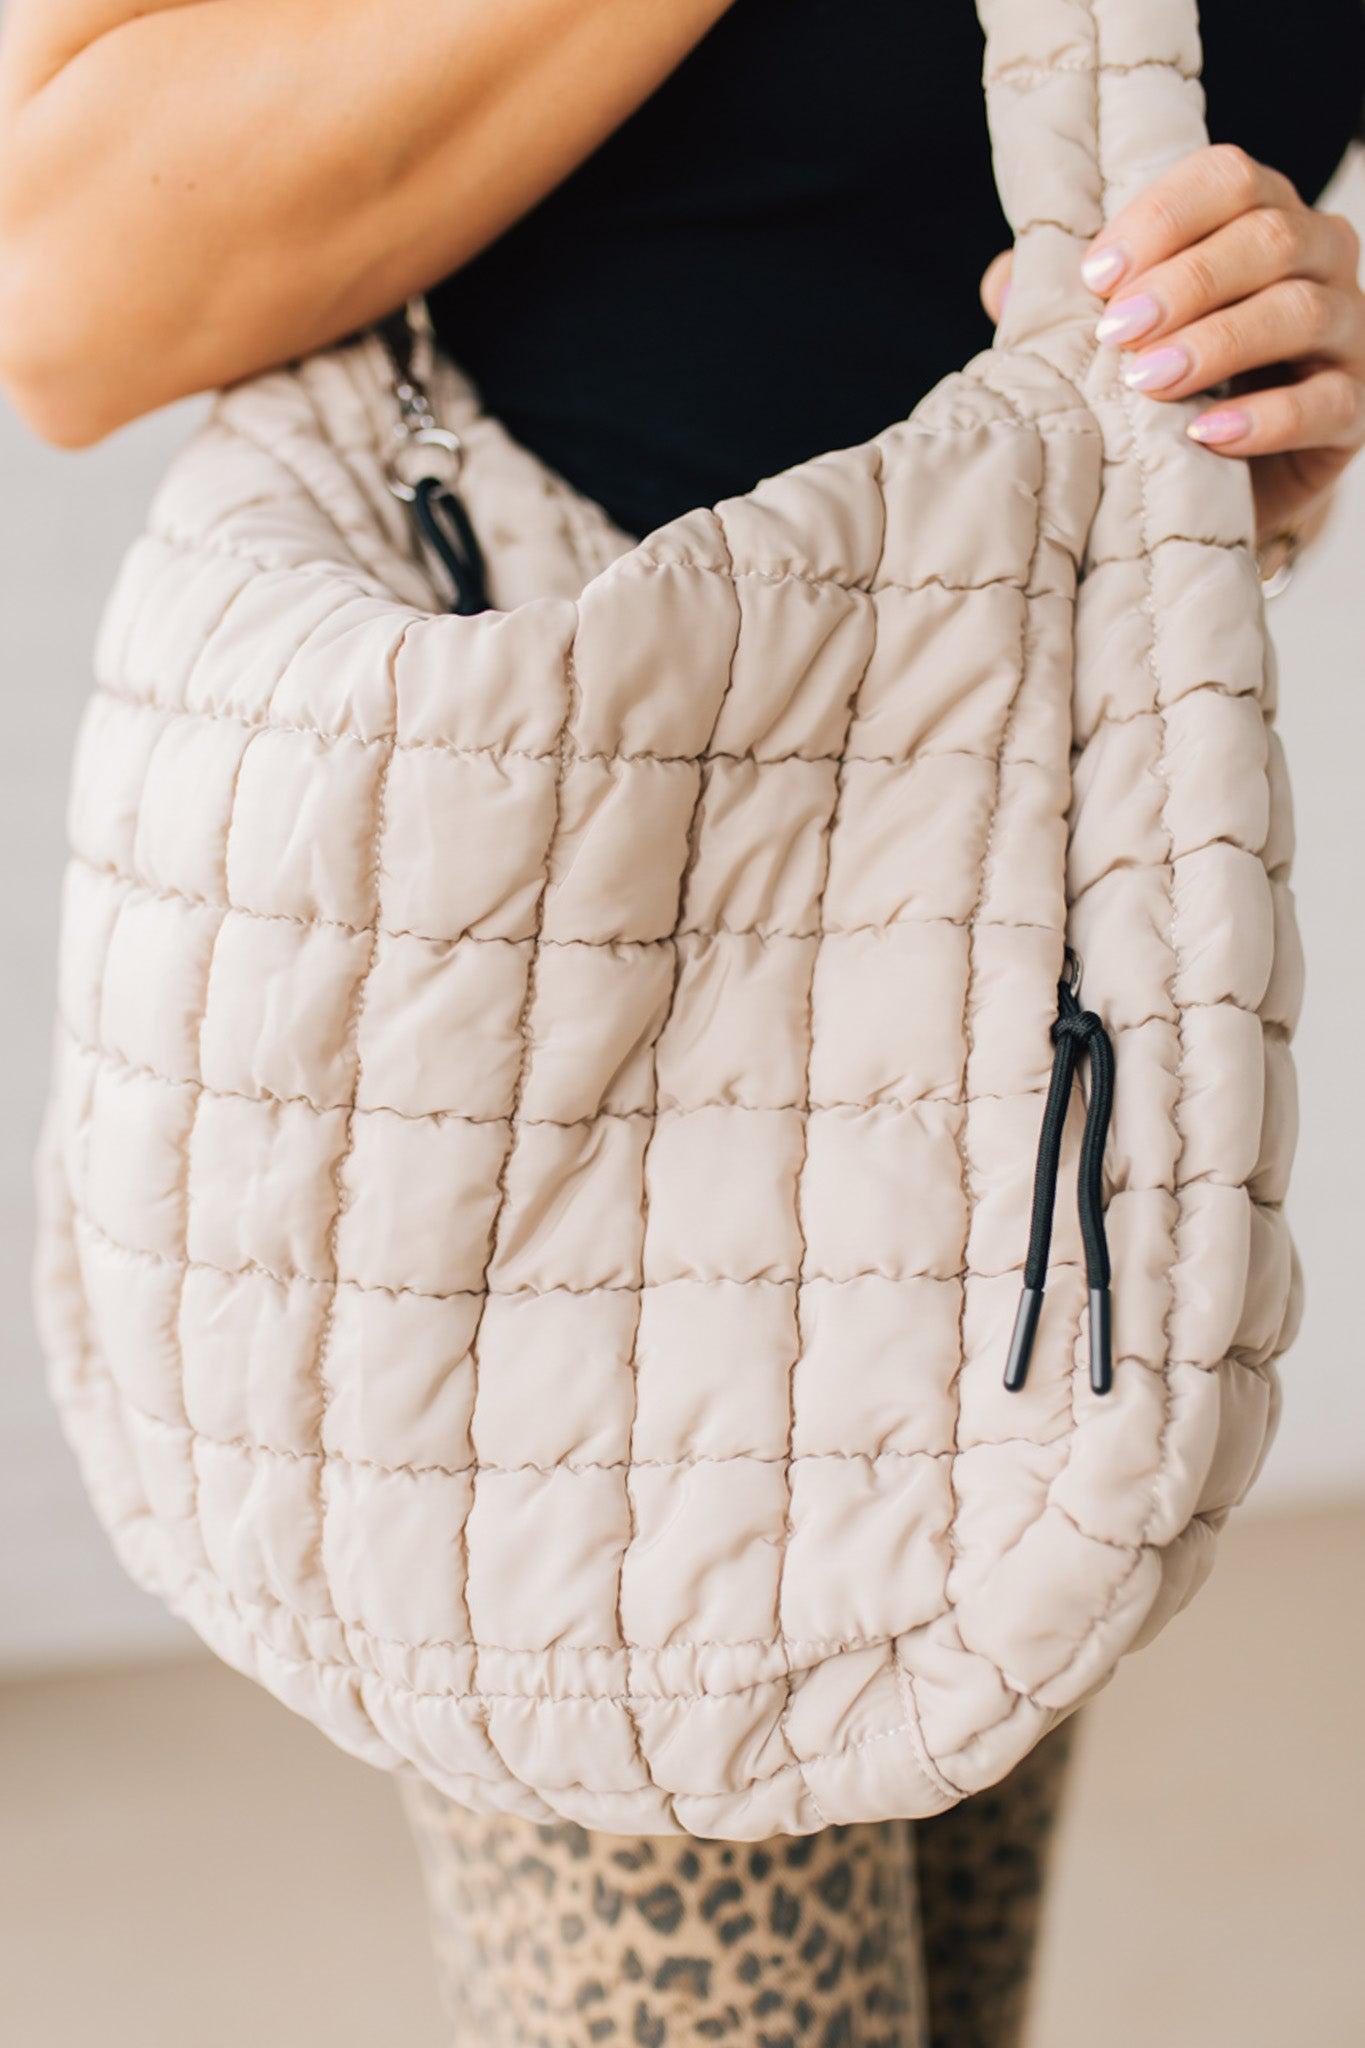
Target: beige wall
[{"x": 63, "y": 522}]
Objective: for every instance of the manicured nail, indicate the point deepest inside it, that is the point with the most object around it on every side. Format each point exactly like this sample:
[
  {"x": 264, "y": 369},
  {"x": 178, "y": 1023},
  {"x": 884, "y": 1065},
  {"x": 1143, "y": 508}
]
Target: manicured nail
[
  {"x": 1103, "y": 267},
  {"x": 1126, "y": 319},
  {"x": 1226, "y": 424},
  {"x": 1155, "y": 368}
]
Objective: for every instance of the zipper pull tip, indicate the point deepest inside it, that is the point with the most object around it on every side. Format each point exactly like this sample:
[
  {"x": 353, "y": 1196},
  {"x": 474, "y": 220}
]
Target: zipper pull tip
[
  {"x": 1101, "y": 1340},
  {"x": 1022, "y": 1341}
]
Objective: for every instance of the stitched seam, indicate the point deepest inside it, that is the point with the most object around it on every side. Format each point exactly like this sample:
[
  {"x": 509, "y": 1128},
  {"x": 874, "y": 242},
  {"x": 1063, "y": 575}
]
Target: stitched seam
[
  {"x": 962, "y": 1135},
  {"x": 818, "y": 1647},
  {"x": 497, "y": 752},
  {"x": 766, "y": 934},
  {"x": 850, "y": 721},
  {"x": 91, "y": 1363},
  {"x": 1168, "y": 1396},
  {"x": 186, "y": 1148},
  {"x": 484, "y": 1290},
  {"x": 369, "y": 583},
  {"x": 693, "y": 848},
  {"x": 1026, "y": 74},
  {"x": 287, "y": 1279},
  {"x": 187, "y": 1157},
  {"x": 318, "y": 1375},
  {"x": 671, "y": 1105},
  {"x": 249, "y": 1446},
  {"x": 914, "y": 1727},
  {"x": 1158, "y": 542}
]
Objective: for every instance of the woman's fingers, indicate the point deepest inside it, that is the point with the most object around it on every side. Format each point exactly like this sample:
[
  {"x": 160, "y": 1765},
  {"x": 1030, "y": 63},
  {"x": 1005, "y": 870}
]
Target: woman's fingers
[
  {"x": 1323, "y": 410},
  {"x": 995, "y": 282},
  {"x": 1218, "y": 276},
  {"x": 1261, "y": 248},
  {"x": 1294, "y": 319},
  {"x": 1201, "y": 193}
]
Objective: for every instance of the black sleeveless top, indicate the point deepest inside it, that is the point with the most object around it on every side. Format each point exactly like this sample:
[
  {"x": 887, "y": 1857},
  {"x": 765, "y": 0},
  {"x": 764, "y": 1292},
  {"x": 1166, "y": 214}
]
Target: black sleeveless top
[{"x": 779, "y": 252}]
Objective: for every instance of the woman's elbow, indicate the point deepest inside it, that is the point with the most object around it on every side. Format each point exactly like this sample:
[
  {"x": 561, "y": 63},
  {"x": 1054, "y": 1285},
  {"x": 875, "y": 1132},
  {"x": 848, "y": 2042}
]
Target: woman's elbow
[
  {"x": 65, "y": 360},
  {"x": 57, "y": 414}
]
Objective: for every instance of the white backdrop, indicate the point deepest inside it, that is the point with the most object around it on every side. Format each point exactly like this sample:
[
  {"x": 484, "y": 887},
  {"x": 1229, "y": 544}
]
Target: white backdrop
[{"x": 64, "y": 520}]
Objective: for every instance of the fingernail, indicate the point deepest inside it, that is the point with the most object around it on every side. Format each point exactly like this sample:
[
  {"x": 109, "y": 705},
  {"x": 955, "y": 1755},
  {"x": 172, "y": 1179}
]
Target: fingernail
[
  {"x": 1226, "y": 424},
  {"x": 1103, "y": 267},
  {"x": 1155, "y": 368},
  {"x": 1126, "y": 319}
]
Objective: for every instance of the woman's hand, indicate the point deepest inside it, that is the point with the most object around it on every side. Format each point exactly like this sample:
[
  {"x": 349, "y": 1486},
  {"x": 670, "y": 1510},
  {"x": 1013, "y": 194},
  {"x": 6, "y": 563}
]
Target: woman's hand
[{"x": 1220, "y": 271}]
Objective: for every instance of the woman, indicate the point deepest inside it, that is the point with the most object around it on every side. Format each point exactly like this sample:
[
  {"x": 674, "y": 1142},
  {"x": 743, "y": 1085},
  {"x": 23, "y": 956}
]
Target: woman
[{"x": 681, "y": 247}]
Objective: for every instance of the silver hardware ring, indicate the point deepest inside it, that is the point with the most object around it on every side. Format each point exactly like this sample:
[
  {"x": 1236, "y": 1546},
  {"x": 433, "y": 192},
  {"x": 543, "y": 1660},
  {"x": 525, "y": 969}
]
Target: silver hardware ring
[
  {"x": 1277, "y": 559},
  {"x": 405, "y": 438}
]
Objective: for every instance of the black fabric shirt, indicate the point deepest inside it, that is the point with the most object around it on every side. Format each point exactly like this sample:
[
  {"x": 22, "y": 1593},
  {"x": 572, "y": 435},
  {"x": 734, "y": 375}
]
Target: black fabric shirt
[{"x": 779, "y": 252}]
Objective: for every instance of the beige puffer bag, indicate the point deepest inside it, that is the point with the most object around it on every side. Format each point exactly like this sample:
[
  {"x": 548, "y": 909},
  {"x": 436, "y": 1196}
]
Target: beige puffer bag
[{"x": 548, "y": 1100}]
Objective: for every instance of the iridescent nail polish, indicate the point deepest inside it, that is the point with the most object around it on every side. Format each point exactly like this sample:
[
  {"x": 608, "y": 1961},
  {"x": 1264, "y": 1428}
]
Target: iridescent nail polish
[
  {"x": 1126, "y": 319},
  {"x": 1226, "y": 424},
  {"x": 1105, "y": 266},
  {"x": 1155, "y": 368}
]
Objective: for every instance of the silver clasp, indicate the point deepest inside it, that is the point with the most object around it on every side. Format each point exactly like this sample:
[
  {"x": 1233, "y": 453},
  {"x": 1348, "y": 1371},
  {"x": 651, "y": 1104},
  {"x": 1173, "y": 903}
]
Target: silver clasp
[{"x": 417, "y": 432}]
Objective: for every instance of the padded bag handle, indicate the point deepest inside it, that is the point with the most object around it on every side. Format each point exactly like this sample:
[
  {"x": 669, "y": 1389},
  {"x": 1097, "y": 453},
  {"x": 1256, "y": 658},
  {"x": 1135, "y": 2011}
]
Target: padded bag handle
[{"x": 1087, "y": 101}]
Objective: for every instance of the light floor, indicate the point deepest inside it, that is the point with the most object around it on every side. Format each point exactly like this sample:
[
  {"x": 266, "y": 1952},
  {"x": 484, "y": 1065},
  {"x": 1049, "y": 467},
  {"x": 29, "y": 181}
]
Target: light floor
[{"x": 184, "y": 1865}]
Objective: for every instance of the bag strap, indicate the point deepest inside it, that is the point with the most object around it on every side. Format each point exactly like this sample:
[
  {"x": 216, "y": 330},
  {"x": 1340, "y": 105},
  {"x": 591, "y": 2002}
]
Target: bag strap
[{"x": 1087, "y": 102}]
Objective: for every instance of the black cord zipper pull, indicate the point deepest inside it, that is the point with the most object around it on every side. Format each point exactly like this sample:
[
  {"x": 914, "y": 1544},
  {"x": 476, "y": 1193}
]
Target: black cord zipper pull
[
  {"x": 423, "y": 461},
  {"x": 445, "y": 525},
  {"x": 1076, "y": 1031}
]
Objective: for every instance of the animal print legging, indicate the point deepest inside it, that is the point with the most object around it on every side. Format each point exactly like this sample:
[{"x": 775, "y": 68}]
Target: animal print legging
[{"x": 885, "y": 1935}]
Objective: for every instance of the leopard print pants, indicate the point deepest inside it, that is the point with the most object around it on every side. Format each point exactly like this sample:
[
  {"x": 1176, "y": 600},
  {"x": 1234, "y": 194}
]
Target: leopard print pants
[{"x": 884, "y": 1935}]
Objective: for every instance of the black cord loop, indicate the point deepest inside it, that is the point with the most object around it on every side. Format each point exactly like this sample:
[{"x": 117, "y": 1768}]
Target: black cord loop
[
  {"x": 1075, "y": 1033},
  {"x": 445, "y": 525}
]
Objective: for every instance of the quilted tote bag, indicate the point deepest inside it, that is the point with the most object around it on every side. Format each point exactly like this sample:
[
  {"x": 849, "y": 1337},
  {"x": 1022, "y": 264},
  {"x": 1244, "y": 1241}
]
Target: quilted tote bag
[{"x": 549, "y": 1100}]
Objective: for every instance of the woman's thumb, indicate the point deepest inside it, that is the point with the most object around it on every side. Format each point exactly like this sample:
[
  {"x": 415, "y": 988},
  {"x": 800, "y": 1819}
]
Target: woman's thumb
[{"x": 995, "y": 283}]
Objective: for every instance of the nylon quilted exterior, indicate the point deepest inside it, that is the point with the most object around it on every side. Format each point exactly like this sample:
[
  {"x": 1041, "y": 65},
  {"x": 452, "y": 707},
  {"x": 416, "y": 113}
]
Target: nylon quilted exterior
[{"x": 545, "y": 1103}]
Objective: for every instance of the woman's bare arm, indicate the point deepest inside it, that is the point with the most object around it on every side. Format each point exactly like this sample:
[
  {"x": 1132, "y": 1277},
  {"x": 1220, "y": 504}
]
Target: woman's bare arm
[{"x": 193, "y": 189}]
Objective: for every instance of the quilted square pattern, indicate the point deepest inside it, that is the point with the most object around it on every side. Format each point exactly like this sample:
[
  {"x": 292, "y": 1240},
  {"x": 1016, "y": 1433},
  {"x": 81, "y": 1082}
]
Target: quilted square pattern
[
  {"x": 911, "y": 841},
  {"x": 188, "y": 791},
  {"x": 299, "y": 841},
  {"x": 157, "y": 1025},
  {"x": 419, "y": 1195},
  {"x": 272, "y": 1005},
  {"x": 394, "y": 1377},
  {"x": 594, "y": 1016},
  {"x": 719, "y": 1585},
  {"x": 232, "y": 1330},
  {"x": 545, "y": 1556},
  {"x": 725, "y": 1041},
  {"x": 256, "y": 1178},
  {"x": 546, "y": 1104},
  {"x": 719, "y": 1188},
  {"x": 427, "y": 1003},
  {"x": 464, "y": 843},
  {"x": 555, "y": 1381},
  {"x": 712, "y": 1371},
  {"x": 759, "y": 862}
]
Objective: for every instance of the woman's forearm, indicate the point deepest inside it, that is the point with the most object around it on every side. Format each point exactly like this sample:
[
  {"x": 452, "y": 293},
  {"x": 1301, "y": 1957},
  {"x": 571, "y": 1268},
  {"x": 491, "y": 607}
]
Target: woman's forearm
[{"x": 190, "y": 193}]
